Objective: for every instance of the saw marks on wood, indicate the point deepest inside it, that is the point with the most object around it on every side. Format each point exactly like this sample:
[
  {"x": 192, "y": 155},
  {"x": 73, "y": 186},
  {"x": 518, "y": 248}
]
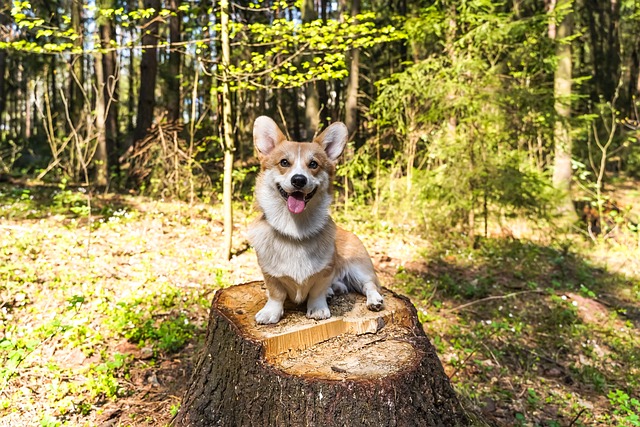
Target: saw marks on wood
[{"x": 354, "y": 343}]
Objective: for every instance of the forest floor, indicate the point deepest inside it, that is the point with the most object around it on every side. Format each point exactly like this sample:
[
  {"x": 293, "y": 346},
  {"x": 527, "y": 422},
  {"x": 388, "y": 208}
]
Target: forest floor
[{"x": 103, "y": 307}]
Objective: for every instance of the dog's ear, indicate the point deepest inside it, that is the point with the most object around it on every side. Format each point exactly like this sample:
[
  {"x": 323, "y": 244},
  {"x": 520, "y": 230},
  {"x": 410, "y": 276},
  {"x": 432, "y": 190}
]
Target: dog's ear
[
  {"x": 266, "y": 135},
  {"x": 333, "y": 139}
]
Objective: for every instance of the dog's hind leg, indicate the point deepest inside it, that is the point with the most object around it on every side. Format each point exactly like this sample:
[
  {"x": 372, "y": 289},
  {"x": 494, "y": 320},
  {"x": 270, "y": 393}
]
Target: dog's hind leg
[
  {"x": 374, "y": 299},
  {"x": 338, "y": 287},
  {"x": 362, "y": 278}
]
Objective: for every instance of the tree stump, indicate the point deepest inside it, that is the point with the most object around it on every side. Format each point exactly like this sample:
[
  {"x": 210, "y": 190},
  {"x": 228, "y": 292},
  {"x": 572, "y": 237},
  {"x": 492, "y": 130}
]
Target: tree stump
[{"x": 357, "y": 368}]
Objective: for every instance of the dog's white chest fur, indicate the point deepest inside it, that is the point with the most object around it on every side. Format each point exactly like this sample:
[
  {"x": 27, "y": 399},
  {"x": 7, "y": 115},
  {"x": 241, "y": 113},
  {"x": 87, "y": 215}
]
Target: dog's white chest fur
[{"x": 282, "y": 256}]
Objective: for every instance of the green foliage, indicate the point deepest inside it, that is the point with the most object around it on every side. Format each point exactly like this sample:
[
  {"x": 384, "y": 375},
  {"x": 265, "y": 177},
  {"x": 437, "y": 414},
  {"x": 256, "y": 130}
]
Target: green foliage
[
  {"x": 327, "y": 41},
  {"x": 102, "y": 380},
  {"x": 277, "y": 66},
  {"x": 134, "y": 320},
  {"x": 446, "y": 119},
  {"x": 625, "y": 407}
]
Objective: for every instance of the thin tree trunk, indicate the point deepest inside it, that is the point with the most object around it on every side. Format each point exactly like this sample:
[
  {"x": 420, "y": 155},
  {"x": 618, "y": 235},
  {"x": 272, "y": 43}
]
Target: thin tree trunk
[
  {"x": 312, "y": 101},
  {"x": 3, "y": 92},
  {"x": 562, "y": 93},
  {"x": 54, "y": 91},
  {"x": 148, "y": 73},
  {"x": 109, "y": 90},
  {"x": 229, "y": 146},
  {"x": 634, "y": 75},
  {"x": 4, "y": 20},
  {"x": 173, "y": 83},
  {"x": 351, "y": 103},
  {"x": 131, "y": 99},
  {"x": 76, "y": 82},
  {"x": 100, "y": 170},
  {"x": 28, "y": 111},
  {"x": 321, "y": 85}
]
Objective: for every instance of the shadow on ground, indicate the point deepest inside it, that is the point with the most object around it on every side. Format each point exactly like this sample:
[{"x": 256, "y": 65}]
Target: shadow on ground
[
  {"x": 533, "y": 335},
  {"x": 25, "y": 201}
]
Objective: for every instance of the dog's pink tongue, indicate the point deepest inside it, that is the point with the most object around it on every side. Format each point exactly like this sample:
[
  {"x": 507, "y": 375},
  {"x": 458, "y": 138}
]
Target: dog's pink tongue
[{"x": 295, "y": 202}]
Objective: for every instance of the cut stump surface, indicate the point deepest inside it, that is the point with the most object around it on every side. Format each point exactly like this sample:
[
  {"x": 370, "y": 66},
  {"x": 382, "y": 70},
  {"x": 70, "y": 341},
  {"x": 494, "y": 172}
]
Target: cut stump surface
[{"x": 357, "y": 368}]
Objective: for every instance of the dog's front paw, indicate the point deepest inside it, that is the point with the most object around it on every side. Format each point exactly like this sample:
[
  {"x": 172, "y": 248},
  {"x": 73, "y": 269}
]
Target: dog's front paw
[
  {"x": 318, "y": 313},
  {"x": 374, "y": 301},
  {"x": 269, "y": 314},
  {"x": 318, "y": 309}
]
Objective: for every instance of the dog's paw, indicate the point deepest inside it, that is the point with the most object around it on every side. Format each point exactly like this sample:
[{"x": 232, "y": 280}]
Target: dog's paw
[
  {"x": 339, "y": 288},
  {"x": 318, "y": 313},
  {"x": 374, "y": 301},
  {"x": 269, "y": 315}
]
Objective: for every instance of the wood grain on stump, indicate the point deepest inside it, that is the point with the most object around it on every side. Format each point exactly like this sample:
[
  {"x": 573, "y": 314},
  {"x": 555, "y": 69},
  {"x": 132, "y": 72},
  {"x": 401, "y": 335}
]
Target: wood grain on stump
[{"x": 357, "y": 368}]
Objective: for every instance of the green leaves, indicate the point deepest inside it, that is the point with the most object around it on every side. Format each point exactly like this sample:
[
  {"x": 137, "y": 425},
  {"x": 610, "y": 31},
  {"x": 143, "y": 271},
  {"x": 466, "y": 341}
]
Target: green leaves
[
  {"x": 289, "y": 54},
  {"x": 282, "y": 52},
  {"x": 625, "y": 407}
]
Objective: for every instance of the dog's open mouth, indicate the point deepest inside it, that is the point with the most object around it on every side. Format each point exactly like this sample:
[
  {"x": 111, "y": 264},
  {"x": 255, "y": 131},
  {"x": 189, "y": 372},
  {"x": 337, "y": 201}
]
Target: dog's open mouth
[{"x": 296, "y": 201}]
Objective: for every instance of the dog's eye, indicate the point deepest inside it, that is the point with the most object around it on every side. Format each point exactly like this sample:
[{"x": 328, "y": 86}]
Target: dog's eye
[
  {"x": 313, "y": 164},
  {"x": 285, "y": 163}
]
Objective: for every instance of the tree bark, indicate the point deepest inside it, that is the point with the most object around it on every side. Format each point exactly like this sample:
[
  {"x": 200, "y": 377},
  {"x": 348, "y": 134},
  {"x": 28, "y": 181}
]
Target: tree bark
[
  {"x": 109, "y": 89},
  {"x": 131, "y": 83},
  {"x": 357, "y": 368},
  {"x": 312, "y": 101},
  {"x": 603, "y": 18},
  {"x": 76, "y": 82},
  {"x": 562, "y": 171},
  {"x": 100, "y": 170},
  {"x": 4, "y": 20},
  {"x": 173, "y": 83},
  {"x": 148, "y": 73},
  {"x": 351, "y": 103},
  {"x": 229, "y": 146},
  {"x": 3, "y": 92}
]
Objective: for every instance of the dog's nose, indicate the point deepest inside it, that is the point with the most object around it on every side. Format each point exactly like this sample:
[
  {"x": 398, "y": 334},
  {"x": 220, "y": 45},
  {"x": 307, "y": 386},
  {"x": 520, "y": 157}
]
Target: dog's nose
[{"x": 298, "y": 181}]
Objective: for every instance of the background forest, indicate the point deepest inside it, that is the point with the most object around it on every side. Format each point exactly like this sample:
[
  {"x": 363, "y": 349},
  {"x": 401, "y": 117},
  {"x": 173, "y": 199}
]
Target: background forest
[{"x": 492, "y": 171}]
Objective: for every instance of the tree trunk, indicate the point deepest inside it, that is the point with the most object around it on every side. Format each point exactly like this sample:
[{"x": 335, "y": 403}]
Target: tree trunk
[
  {"x": 562, "y": 171},
  {"x": 229, "y": 146},
  {"x": 351, "y": 103},
  {"x": 131, "y": 83},
  {"x": 100, "y": 170},
  {"x": 357, "y": 368},
  {"x": 55, "y": 107},
  {"x": 110, "y": 88},
  {"x": 312, "y": 101},
  {"x": 603, "y": 18},
  {"x": 4, "y": 20},
  {"x": 148, "y": 73},
  {"x": 3, "y": 92},
  {"x": 173, "y": 83},
  {"x": 76, "y": 82}
]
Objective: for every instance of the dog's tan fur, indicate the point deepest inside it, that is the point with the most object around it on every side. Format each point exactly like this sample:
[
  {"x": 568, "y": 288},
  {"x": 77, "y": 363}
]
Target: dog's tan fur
[{"x": 303, "y": 255}]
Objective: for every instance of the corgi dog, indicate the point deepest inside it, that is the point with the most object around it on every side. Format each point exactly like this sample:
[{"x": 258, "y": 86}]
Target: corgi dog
[{"x": 303, "y": 255}]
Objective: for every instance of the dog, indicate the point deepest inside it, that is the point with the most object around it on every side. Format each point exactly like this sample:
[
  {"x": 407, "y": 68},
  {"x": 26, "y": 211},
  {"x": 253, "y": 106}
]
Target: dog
[{"x": 303, "y": 255}]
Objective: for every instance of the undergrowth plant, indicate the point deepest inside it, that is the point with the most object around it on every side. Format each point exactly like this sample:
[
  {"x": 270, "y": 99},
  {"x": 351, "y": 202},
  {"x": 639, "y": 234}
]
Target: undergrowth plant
[
  {"x": 626, "y": 408},
  {"x": 457, "y": 161}
]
